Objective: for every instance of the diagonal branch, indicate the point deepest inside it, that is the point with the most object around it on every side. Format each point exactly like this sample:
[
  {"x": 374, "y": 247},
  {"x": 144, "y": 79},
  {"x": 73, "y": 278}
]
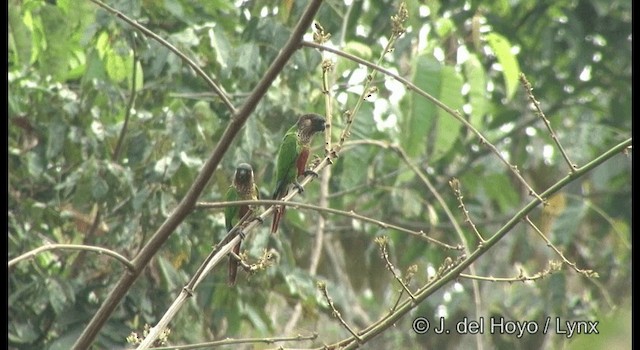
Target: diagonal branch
[
  {"x": 547, "y": 123},
  {"x": 186, "y": 204},
  {"x": 367, "y": 334}
]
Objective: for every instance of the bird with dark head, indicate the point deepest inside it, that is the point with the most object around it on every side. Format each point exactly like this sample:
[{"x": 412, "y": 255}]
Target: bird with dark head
[
  {"x": 243, "y": 187},
  {"x": 292, "y": 159}
]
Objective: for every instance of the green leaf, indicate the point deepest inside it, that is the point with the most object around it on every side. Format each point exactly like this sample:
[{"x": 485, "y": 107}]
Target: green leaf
[
  {"x": 476, "y": 78},
  {"x": 139, "y": 83},
  {"x": 220, "y": 44},
  {"x": 56, "y": 137},
  {"x": 99, "y": 187},
  {"x": 421, "y": 112},
  {"x": 61, "y": 294},
  {"x": 497, "y": 190},
  {"x": 116, "y": 66},
  {"x": 19, "y": 39},
  {"x": 447, "y": 128},
  {"x": 357, "y": 49},
  {"x": 102, "y": 44},
  {"x": 510, "y": 68},
  {"x": 427, "y": 126}
]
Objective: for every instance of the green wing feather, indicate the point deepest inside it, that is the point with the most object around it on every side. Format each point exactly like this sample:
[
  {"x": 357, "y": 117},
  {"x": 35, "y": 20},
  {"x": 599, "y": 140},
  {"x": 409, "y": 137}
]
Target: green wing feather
[
  {"x": 231, "y": 212},
  {"x": 286, "y": 170}
]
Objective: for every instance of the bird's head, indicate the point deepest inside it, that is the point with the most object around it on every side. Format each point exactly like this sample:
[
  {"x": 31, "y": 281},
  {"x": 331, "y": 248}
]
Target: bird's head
[
  {"x": 244, "y": 174},
  {"x": 310, "y": 124}
]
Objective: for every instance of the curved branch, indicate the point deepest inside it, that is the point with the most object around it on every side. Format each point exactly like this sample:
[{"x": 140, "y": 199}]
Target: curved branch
[
  {"x": 82, "y": 247},
  {"x": 454, "y": 114},
  {"x": 173, "y": 49}
]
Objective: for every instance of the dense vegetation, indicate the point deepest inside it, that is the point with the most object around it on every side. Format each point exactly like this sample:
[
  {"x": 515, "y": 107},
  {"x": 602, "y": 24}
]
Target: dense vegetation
[{"x": 109, "y": 129}]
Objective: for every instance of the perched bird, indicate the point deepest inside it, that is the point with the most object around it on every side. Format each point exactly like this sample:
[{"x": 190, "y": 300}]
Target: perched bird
[
  {"x": 292, "y": 159},
  {"x": 242, "y": 188}
]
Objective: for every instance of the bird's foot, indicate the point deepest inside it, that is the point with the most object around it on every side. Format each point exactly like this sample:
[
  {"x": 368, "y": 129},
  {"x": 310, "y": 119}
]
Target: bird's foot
[
  {"x": 241, "y": 234},
  {"x": 310, "y": 172},
  {"x": 299, "y": 187},
  {"x": 259, "y": 219}
]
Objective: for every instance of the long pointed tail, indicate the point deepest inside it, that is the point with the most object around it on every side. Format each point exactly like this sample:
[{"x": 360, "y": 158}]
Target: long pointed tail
[
  {"x": 233, "y": 266},
  {"x": 278, "y": 212}
]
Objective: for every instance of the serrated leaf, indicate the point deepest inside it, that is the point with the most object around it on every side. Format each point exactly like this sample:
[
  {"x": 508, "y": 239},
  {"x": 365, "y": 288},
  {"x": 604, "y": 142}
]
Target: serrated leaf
[{"x": 510, "y": 68}]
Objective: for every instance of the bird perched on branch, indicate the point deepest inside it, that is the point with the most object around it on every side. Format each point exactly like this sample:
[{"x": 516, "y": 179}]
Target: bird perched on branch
[
  {"x": 292, "y": 159},
  {"x": 242, "y": 188}
]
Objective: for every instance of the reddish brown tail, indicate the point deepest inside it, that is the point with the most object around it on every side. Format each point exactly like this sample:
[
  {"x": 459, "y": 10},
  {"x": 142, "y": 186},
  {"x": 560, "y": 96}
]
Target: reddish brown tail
[
  {"x": 233, "y": 266},
  {"x": 278, "y": 212}
]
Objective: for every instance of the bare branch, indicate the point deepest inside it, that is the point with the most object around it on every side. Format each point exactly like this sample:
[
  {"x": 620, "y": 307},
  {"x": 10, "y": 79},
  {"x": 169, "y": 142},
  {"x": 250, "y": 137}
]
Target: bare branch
[
  {"x": 187, "y": 60},
  {"x": 351, "y": 214},
  {"x": 81, "y": 247},
  {"x": 586, "y": 273},
  {"x": 455, "y": 114},
  {"x": 536, "y": 104},
  {"x": 455, "y": 185},
  {"x": 382, "y": 243},
  {"x": 323, "y": 287}
]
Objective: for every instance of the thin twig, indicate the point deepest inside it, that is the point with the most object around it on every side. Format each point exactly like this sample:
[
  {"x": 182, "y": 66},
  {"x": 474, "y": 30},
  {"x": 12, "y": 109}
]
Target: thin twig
[
  {"x": 455, "y": 186},
  {"x": 320, "y": 37},
  {"x": 173, "y": 49},
  {"x": 81, "y": 247},
  {"x": 318, "y": 245},
  {"x": 429, "y": 289},
  {"x": 382, "y": 243},
  {"x": 184, "y": 208},
  {"x": 231, "y": 341},
  {"x": 323, "y": 287},
  {"x": 127, "y": 113},
  {"x": 586, "y": 273},
  {"x": 351, "y": 214},
  {"x": 453, "y": 113},
  {"x": 554, "y": 266},
  {"x": 215, "y": 256},
  {"x": 536, "y": 104},
  {"x": 397, "y": 30}
]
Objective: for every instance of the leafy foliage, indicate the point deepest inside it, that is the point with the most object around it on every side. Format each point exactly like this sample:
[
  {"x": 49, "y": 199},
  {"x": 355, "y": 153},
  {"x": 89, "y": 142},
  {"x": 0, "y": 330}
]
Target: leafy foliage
[{"x": 108, "y": 129}]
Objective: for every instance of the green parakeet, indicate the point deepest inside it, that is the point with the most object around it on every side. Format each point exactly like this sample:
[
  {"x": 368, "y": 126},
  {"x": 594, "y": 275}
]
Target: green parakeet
[
  {"x": 242, "y": 188},
  {"x": 292, "y": 159}
]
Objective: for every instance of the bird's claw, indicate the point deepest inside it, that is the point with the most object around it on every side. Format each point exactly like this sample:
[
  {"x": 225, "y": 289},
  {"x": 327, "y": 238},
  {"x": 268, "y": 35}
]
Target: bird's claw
[
  {"x": 299, "y": 187},
  {"x": 241, "y": 234},
  {"x": 259, "y": 219},
  {"x": 310, "y": 172}
]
